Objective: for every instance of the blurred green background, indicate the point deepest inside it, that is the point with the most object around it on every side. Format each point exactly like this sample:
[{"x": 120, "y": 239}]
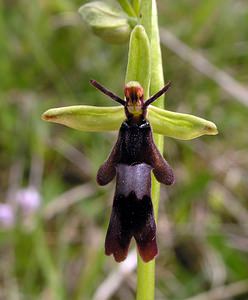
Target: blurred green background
[{"x": 54, "y": 217}]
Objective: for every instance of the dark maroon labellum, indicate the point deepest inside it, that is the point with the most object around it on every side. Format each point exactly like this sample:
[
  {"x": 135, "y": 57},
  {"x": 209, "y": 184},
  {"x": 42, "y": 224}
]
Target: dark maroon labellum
[{"x": 131, "y": 160}]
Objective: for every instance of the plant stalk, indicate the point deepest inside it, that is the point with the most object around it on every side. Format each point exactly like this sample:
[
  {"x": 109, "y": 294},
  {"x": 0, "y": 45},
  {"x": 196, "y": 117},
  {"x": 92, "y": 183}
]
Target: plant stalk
[
  {"x": 127, "y": 7},
  {"x": 146, "y": 271}
]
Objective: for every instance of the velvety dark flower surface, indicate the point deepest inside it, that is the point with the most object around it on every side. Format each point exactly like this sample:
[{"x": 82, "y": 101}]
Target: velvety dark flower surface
[
  {"x": 132, "y": 213},
  {"x": 131, "y": 217},
  {"x": 132, "y": 159}
]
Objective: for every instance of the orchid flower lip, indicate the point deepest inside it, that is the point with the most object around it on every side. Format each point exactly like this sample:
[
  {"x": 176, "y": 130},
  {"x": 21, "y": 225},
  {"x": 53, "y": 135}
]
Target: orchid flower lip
[{"x": 131, "y": 161}]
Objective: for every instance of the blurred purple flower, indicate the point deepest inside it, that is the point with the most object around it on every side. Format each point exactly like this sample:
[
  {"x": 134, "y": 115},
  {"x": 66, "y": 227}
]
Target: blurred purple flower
[
  {"x": 28, "y": 199},
  {"x": 7, "y": 217}
]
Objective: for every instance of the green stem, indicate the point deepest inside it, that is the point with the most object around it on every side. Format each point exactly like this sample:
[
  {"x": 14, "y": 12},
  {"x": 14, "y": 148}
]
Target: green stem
[
  {"x": 146, "y": 271},
  {"x": 157, "y": 82},
  {"x": 136, "y": 6},
  {"x": 127, "y": 7}
]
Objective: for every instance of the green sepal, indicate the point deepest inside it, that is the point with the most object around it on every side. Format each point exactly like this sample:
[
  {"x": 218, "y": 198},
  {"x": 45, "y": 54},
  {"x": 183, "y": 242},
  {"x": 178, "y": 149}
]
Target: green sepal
[
  {"x": 87, "y": 118},
  {"x": 178, "y": 125},
  {"x": 100, "y": 119},
  {"x": 107, "y": 22},
  {"x": 139, "y": 61}
]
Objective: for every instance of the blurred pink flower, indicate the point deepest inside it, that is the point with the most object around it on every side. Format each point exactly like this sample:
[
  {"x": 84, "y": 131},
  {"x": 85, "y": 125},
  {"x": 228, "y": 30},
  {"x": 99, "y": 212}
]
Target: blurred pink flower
[
  {"x": 7, "y": 217},
  {"x": 28, "y": 199}
]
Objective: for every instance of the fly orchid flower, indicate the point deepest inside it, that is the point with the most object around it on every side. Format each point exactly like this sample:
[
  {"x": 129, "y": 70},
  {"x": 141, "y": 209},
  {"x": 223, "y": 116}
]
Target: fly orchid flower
[{"x": 135, "y": 154}]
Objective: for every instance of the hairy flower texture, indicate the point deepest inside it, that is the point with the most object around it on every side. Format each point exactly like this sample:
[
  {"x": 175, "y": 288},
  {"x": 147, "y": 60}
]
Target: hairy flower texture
[{"x": 132, "y": 160}]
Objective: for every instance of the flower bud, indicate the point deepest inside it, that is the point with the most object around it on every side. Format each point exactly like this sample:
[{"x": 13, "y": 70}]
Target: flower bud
[{"x": 107, "y": 23}]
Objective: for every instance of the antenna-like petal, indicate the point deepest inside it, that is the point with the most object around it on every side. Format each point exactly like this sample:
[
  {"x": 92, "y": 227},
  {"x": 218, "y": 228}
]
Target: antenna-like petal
[
  {"x": 107, "y": 92},
  {"x": 158, "y": 94}
]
